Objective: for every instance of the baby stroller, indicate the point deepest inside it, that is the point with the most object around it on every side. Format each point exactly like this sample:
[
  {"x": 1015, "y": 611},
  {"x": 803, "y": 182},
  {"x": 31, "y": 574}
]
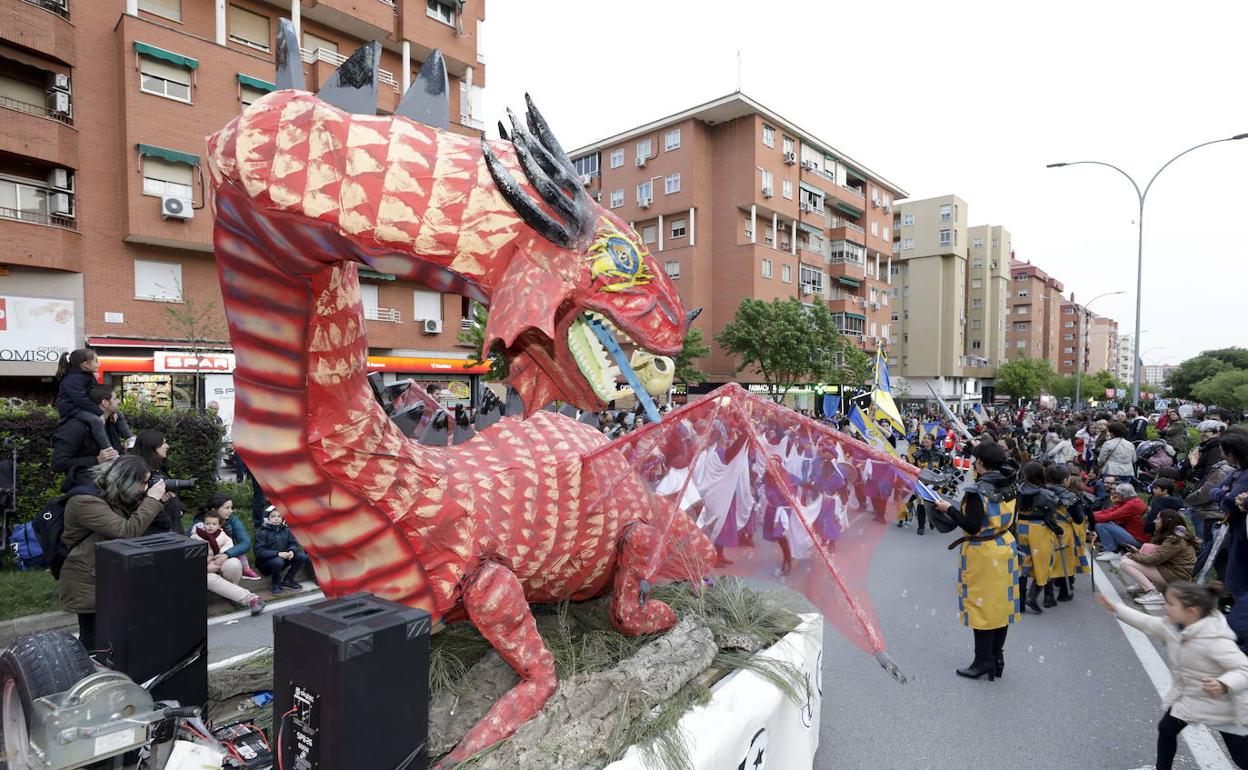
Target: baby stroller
[{"x": 1150, "y": 457}]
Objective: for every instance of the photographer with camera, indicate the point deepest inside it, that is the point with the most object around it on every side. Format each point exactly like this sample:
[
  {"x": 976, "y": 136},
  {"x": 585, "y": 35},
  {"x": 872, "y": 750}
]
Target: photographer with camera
[
  {"x": 151, "y": 447},
  {"x": 129, "y": 499}
]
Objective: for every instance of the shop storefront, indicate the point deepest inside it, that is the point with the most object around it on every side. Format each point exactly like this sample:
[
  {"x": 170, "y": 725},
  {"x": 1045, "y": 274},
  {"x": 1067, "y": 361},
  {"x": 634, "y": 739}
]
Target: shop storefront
[
  {"x": 34, "y": 332},
  {"x": 182, "y": 379}
]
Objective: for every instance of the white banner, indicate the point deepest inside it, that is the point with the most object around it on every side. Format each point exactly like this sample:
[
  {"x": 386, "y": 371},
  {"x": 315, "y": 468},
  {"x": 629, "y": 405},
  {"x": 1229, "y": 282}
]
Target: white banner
[
  {"x": 751, "y": 725},
  {"x": 219, "y": 388},
  {"x": 35, "y": 329}
]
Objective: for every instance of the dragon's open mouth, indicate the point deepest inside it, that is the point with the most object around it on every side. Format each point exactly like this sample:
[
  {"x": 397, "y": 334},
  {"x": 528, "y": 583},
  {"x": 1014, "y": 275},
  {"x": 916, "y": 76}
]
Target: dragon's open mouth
[{"x": 653, "y": 373}]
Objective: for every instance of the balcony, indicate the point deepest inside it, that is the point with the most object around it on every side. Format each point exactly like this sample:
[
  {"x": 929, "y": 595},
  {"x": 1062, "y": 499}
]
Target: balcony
[
  {"x": 33, "y": 239},
  {"x": 386, "y": 314},
  {"x": 41, "y": 26},
  {"x": 844, "y": 230},
  {"x": 40, "y": 111}
]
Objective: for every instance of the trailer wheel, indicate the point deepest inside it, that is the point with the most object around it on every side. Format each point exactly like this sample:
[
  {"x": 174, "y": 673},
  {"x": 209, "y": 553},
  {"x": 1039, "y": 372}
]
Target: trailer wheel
[{"x": 34, "y": 666}]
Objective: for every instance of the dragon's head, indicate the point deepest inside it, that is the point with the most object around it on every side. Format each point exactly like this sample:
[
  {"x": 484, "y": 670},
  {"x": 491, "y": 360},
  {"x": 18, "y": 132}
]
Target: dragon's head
[
  {"x": 580, "y": 285},
  {"x": 563, "y": 277}
]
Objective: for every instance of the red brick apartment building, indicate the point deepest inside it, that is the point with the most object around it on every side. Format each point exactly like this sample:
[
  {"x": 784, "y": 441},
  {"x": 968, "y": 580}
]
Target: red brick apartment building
[
  {"x": 104, "y": 107},
  {"x": 1033, "y": 309},
  {"x": 735, "y": 201},
  {"x": 1098, "y": 334}
]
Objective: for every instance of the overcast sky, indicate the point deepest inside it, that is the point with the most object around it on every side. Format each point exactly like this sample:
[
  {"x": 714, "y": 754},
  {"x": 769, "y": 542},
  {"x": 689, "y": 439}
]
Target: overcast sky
[{"x": 971, "y": 98}]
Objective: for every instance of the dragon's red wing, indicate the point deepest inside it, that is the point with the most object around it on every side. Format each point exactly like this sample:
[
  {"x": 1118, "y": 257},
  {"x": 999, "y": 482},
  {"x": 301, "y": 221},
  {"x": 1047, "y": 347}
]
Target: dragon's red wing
[{"x": 782, "y": 497}]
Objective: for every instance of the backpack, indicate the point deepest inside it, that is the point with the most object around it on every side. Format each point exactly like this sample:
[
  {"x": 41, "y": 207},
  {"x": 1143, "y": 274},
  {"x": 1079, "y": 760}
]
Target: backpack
[
  {"x": 49, "y": 525},
  {"x": 27, "y": 552}
]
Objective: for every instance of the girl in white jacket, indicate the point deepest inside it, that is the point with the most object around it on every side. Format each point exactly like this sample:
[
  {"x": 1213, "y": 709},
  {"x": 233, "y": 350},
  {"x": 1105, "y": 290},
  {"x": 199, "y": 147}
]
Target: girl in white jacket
[{"x": 1209, "y": 672}]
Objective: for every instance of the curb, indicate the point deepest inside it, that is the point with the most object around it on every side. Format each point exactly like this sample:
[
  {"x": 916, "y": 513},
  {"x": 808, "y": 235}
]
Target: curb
[{"x": 16, "y": 628}]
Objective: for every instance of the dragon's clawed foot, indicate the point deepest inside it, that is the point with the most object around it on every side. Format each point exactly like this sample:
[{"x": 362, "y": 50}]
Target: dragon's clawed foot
[
  {"x": 632, "y": 613},
  {"x": 495, "y": 602}
]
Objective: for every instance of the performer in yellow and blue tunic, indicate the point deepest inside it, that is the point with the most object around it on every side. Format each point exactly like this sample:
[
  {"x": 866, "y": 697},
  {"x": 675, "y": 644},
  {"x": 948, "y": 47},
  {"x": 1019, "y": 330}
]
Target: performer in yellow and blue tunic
[
  {"x": 1072, "y": 553},
  {"x": 1038, "y": 534},
  {"x": 988, "y": 598},
  {"x": 923, "y": 455}
]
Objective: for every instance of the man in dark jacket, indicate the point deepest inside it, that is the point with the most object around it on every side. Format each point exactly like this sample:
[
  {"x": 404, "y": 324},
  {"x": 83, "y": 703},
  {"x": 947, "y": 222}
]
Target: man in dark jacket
[
  {"x": 75, "y": 451},
  {"x": 1137, "y": 428},
  {"x": 277, "y": 553}
]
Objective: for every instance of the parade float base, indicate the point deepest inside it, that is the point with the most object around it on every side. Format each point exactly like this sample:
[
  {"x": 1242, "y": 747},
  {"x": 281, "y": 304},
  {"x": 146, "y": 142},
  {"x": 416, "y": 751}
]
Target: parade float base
[{"x": 738, "y": 675}]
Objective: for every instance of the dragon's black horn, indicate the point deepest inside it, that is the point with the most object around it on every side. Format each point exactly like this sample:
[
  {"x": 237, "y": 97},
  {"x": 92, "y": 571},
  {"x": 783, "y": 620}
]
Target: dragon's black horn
[
  {"x": 353, "y": 86},
  {"x": 289, "y": 66},
  {"x": 552, "y": 175},
  {"x": 502, "y": 132},
  {"x": 428, "y": 100}
]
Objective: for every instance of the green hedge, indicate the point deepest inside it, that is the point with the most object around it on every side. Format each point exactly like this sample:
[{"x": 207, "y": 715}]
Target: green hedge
[{"x": 195, "y": 443}]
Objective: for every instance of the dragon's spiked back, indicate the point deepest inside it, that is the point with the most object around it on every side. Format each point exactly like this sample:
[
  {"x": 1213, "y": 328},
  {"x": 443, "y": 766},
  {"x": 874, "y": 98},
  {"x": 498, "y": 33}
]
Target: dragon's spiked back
[{"x": 505, "y": 222}]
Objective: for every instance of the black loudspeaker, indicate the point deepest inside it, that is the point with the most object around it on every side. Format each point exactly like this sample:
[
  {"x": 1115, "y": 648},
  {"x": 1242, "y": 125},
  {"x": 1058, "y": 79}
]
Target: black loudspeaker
[
  {"x": 151, "y": 613},
  {"x": 351, "y": 685}
]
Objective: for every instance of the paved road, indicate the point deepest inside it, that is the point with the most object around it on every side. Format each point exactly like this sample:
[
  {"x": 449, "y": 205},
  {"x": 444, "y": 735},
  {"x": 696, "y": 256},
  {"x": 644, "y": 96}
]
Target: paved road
[{"x": 1074, "y": 694}]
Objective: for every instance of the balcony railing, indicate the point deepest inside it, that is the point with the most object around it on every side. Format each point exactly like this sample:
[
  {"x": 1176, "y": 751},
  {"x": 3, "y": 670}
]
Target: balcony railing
[
  {"x": 336, "y": 59},
  {"x": 10, "y": 103},
  {"x": 838, "y": 222},
  {"x": 854, "y": 191},
  {"x": 59, "y": 7},
  {"x": 37, "y": 217},
  {"x": 387, "y": 314}
]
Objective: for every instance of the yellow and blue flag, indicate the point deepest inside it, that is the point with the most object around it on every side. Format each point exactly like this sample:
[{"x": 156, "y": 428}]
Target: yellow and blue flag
[
  {"x": 884, "y": 408},
  {"x": 870, "y": 432}
]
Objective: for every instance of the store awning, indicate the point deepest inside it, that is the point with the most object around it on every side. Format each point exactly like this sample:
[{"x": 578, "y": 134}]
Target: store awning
[
  {"x": 810, "y": 228},
  {"x": 257, "y": 83},
  {"x": 173, "y": 156},
  {"x": 374, "y": 275},
  {"x": 169, "y": 56},
  {"x": 849, "y": 281}
]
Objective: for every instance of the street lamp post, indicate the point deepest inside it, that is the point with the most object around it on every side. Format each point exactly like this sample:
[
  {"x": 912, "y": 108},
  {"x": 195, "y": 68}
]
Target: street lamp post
[
  {"x": 1083, "y": 342},
  {"x": 1139, "y": 267}
]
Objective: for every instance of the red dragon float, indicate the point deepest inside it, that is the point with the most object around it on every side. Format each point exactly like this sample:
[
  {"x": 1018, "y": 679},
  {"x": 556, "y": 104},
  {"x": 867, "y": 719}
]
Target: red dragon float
[{"x": 537, "y": 507}]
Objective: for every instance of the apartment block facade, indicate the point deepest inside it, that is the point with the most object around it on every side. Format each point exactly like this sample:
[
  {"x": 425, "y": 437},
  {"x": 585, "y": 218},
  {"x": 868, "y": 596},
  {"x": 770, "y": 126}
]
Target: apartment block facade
[
  {"x": 105, "y": 237},
  {"x": 1099, "y": 337},
  {"x": 1123, "y": 369},
  {"x": 736, "y": 202},
  {"x": 954, "y": 284},
  {"x": 1035, "y": 324}
]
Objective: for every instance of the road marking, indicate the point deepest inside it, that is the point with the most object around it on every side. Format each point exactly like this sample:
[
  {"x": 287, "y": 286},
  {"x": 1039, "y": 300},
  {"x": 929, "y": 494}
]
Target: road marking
[
  {"x": 308, "y": 597},
  {"x": 238, "y": 658},
  {"x": 1200, "y": 741}
]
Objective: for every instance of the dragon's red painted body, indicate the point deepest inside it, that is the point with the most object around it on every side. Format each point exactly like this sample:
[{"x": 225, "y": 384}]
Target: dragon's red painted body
[{"x": 303, "y": 193}]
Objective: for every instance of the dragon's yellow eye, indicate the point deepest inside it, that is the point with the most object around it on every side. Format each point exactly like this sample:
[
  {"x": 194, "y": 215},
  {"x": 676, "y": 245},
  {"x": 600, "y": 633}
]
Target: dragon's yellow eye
[{"x": 616, "y": 260}]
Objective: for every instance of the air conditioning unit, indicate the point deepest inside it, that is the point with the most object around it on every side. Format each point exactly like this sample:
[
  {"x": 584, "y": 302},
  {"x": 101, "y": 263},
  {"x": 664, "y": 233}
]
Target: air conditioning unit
[
  {"x": 58, "y": 102},
  {"x": 641, "y": 161},
  {"x": 60, "y": 82},
  {"x": 809, "y": 165},
  {"x": 598, "y": 197},
  {"x": 431, "y": 325},
  {"x": 60, "y": 179},
  {"x": 806, "y": 206},
  {"x": 61, "y": 204},
  {"x": 875, "y": 306},
  {"x": 768, "y": 192},
  {"x": 875, "y": 203},
  {"x": 643, "y": 203},
  {"x": 888, "y": 208},
  {"x": 175, "y": 208},
  {"x": 586, "y": 179},
  {"x": 790, "y": 158}
]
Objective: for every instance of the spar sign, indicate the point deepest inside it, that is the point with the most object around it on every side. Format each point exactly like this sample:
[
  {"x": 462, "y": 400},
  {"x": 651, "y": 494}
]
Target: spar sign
[
  {"x": 204, "y": 363},
  {"x": 35, "y": 329}
]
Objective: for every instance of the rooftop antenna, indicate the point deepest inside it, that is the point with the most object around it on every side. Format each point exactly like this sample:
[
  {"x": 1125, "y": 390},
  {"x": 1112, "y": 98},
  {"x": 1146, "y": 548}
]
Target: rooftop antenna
[{"x": 738, "y": 70}]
